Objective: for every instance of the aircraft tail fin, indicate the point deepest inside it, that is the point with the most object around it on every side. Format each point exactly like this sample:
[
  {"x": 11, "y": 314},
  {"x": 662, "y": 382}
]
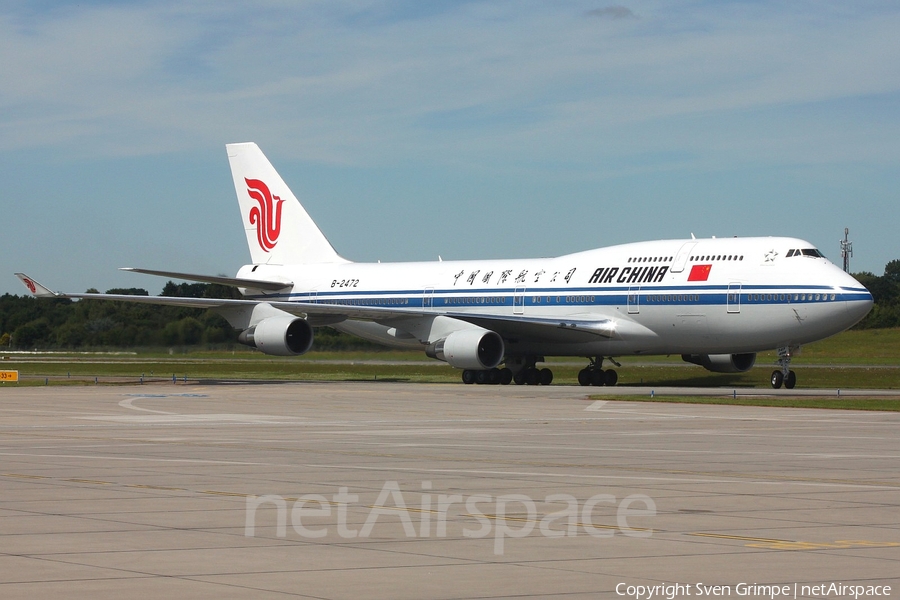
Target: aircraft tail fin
[{"x": 279, "y": 230}]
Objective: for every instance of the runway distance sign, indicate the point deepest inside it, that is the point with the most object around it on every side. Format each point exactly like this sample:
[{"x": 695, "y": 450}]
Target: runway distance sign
[{"x": 9, "y": 376}]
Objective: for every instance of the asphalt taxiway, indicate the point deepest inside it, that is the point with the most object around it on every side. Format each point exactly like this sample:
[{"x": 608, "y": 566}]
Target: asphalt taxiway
[{"x": 387, "y": 490}]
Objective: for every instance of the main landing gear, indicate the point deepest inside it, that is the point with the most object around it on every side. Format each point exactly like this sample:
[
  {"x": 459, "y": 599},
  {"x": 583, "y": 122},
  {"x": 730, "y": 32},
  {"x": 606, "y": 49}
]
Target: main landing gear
[
  {"x": 493, "y": 376},
  {"x": 534, "y": 376},
  {"x": 521, "y": 370},
  {"x": 785, "y": 376},
  {"x": 593, "y": 374}
]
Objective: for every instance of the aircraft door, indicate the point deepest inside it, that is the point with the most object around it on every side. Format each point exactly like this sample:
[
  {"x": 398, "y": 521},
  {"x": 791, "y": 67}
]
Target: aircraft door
[
  {"x": 428, "y": 299},
  {"x": 519, "y": 301},
  {"x": 681, "y": 258},
  {"x": 634, "y": 300},
  {"x": 733, "y": 299}
]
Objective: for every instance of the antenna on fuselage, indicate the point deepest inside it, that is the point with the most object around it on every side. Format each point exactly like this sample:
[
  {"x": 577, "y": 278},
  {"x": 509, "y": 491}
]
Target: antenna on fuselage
[{"x": 846, "y": 249}]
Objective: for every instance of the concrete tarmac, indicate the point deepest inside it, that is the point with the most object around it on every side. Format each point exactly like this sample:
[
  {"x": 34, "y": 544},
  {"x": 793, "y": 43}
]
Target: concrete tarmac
[{"x": 387, "y": 490}]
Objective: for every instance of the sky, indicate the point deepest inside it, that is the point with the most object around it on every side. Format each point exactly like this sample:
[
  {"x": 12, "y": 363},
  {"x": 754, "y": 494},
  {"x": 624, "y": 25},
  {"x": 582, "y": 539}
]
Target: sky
[{"x": 466, "y": 129}]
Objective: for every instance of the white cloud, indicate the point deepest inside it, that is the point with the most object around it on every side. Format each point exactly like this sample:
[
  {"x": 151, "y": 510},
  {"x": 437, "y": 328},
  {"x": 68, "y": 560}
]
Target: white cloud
[{"x": 361, "y": 84}]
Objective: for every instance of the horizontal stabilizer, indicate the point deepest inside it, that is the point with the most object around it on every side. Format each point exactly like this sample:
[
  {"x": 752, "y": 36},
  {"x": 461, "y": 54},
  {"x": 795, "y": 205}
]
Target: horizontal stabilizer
[{"x": 256, "y": 284}]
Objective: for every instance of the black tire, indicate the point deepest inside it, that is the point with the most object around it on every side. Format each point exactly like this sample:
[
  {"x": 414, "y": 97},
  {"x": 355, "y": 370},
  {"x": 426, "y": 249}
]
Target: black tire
[
  {"x": 791, "y": 380},
  {"x": 612, "y": 378},
  {"x": 546, "y": 376},
  {"x": 506, "y": 376},
  {"x": 584, "y": 377},
  {"x": 532, "y": 376},
  {"x": 519, "y": 377},
  {"x": 598, "y": 377},
  {"x": 468, "y": 376},
  {"x": 777, "y": 379}
]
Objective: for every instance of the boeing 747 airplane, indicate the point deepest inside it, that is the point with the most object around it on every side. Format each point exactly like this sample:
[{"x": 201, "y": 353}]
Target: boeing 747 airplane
[{"x": 716, "y": 302}]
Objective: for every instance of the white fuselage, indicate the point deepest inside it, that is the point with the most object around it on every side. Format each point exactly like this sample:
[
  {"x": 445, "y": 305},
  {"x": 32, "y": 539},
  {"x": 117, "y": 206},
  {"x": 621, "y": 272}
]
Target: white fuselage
[{"x": 713, "y": 296}]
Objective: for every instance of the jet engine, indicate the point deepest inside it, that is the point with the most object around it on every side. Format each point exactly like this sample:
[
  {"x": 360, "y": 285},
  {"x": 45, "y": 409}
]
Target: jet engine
[
  {"x": 279, "y": 336},
  {"x": 469, "y": 349},
  {"x": 722, "y": 363}
]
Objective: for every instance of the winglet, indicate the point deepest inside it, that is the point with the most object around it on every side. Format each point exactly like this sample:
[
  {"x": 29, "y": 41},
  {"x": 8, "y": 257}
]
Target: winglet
[{"x": 36, "y": 288}]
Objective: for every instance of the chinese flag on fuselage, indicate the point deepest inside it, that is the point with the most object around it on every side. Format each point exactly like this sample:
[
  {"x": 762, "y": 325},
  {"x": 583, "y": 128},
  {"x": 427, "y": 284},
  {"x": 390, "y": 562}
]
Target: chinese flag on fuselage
[{"x": 699, "y": 273}]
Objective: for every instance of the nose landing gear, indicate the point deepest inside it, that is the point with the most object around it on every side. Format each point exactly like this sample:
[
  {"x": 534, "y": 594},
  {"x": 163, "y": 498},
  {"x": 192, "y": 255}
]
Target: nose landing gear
[{"x": 785, "y": 376}]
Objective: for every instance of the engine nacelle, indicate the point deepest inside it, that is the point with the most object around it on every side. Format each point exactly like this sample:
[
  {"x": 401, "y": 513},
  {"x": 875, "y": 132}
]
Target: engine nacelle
[
  {"x": 722, "y": 363},
  {"x": 280, "y": 336},
  {"x": 469, "y": 349}
]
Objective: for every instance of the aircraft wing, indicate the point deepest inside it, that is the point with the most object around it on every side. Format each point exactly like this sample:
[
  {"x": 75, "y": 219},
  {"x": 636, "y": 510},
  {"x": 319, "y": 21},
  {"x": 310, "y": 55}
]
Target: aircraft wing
[
  {"x": 562, "y": 329},
  {"x": 523, "y": 327},
  {"x": 511, "y": 326},
  {"x": 42, "y": 291}
]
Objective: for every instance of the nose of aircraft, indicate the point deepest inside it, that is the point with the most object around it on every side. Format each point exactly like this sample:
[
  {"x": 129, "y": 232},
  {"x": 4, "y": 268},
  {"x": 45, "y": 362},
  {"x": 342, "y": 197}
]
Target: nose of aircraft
[{"x": 857, "y": 299}]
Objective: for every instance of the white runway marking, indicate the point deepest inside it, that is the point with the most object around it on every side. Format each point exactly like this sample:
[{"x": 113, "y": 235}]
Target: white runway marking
[
  {"x": 128, "y": 458},
  {"x": 557, "y": 475},
  {"x": 128, "y": 403},
  {"x": 167, "y": 417}
]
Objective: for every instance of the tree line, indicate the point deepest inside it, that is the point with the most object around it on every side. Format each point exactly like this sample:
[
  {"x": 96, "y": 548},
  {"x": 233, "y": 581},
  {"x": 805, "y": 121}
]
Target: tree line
[
  {"x": 28, "y": 323},
  {"x": 886, "y": 292}
]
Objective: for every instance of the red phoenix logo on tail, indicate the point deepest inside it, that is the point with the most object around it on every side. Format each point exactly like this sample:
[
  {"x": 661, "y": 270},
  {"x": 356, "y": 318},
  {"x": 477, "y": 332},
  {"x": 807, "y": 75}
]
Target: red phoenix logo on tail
[{"x": 266, "y": 216}]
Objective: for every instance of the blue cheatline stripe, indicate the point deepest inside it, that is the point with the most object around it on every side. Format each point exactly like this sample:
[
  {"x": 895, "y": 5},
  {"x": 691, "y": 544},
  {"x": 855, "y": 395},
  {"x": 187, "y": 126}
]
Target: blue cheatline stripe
[
  {"x": 647, "y": 296},
  {"x": 508, "y": 291}
]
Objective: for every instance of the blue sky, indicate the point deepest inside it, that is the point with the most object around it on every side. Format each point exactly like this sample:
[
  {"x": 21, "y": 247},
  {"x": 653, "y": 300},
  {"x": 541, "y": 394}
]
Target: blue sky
[{"x": 467, "y": 129}]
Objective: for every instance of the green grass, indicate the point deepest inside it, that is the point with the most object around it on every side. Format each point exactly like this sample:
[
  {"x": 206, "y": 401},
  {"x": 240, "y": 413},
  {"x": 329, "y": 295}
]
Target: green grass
[
  {"x": 841, "y": 403},
  {"x": 200, "y": 366},
  {"x": 834, "y": 363}
]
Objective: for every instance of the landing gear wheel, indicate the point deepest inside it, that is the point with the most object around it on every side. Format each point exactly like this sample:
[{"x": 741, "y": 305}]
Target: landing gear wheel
[
  {"x": 593, "y": 374},
  {"x": 468, "y": 376},
  {"x": 612, "y": 378},
  {"x": 546, "y": 376},
  {"x": 532, "y": 376},
  {"x": 790, "y": 380},
  {"x": 778, "y": 379},
  {"x": 584, "y": 377},
  {"x": 519, "y": 377},
  {"x": 785, "y": 376},
  {"x": 506, "y": 376}
]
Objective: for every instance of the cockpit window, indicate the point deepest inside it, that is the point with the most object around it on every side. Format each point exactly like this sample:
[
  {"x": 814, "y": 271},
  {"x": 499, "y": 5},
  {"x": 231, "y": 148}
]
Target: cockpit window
[{"x": 811, "y": 252}]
